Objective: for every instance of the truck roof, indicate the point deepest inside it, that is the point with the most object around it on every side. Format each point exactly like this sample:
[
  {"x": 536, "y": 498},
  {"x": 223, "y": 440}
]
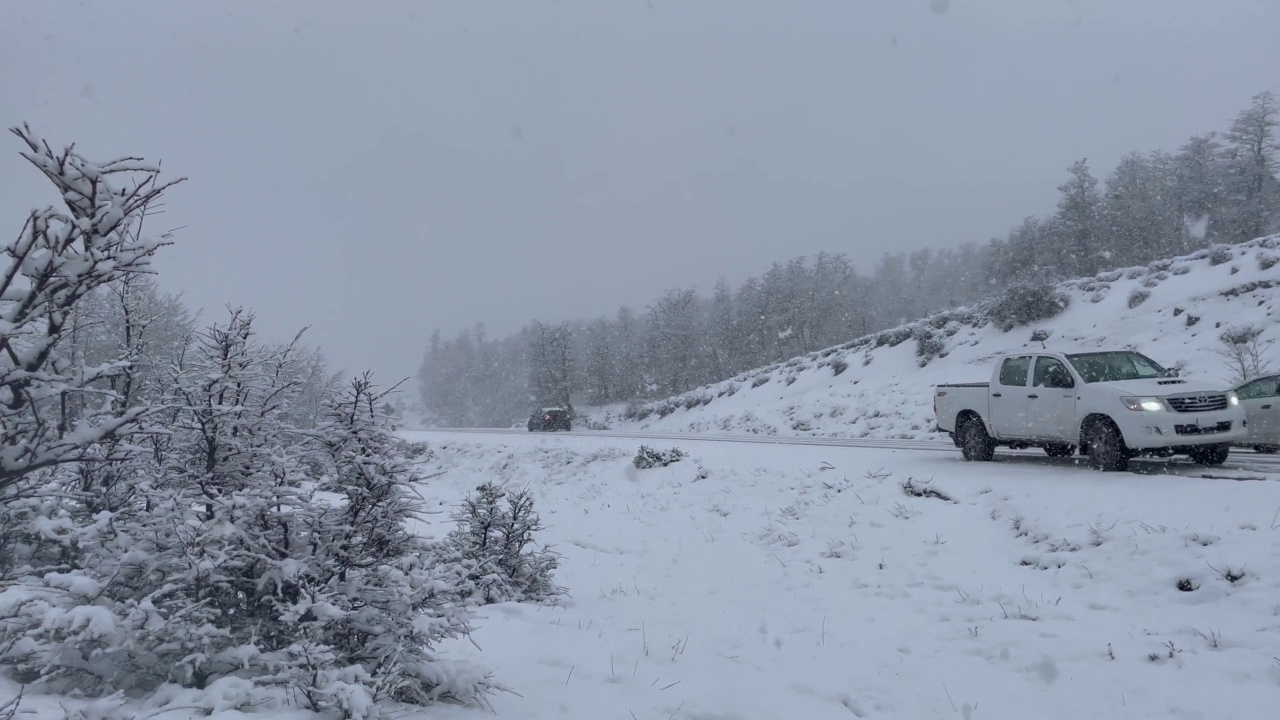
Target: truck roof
[{"x": 1063, "y": 351}]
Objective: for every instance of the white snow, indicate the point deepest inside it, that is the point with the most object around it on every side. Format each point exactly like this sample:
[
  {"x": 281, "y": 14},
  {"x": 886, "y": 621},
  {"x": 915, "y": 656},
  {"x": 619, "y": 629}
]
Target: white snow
[
  {"x": 884, "y": 393},
  {"x": 754, "y": 581}
]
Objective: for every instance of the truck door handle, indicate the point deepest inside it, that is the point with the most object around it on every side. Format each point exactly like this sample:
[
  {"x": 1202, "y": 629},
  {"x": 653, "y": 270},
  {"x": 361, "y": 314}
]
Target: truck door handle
[
  {"x": 1033, "y": 396},
  {"x": 996, "y": 395}
]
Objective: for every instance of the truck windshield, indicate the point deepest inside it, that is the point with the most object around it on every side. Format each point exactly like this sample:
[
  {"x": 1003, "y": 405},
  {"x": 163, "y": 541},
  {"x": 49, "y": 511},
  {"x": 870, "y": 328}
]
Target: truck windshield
[{"x": 1115, "y": 367}]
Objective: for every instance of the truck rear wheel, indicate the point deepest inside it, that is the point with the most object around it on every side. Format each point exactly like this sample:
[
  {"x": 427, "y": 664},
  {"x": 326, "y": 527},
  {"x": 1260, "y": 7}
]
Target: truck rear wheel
[
  {"x": 975, "y": 443},
  {"x": 1107, "y": 451},
  {"x": 1210, "y": 454}
]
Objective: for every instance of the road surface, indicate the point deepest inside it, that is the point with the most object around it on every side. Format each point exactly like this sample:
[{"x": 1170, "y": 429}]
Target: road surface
[{"x": 1241, "y": 460}]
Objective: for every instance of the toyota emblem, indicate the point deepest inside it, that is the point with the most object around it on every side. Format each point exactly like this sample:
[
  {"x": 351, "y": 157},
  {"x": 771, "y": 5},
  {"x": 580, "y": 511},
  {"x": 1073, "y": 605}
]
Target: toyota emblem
[{"x": 1202, "y": 399}]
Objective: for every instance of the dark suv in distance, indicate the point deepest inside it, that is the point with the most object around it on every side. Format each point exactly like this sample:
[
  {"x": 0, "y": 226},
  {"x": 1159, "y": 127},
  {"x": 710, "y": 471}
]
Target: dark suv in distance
[{"x": 549, "y": 420}]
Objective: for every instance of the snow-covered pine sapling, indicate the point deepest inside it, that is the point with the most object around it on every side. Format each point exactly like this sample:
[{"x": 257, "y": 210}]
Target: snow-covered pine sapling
[
  {"x": 494, "y": 541},
  {"x": 371, "y": 598}
]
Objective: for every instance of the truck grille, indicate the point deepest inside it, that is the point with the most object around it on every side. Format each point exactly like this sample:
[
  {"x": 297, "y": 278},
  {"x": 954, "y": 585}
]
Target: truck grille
[
  {"x": 1198, "y": 403},
  {"x": 1224, "y": 426}
]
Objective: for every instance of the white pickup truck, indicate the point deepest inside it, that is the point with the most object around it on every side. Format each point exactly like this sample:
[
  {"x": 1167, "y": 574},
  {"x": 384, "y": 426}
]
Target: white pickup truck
[{"x": 1111, "y": 405}]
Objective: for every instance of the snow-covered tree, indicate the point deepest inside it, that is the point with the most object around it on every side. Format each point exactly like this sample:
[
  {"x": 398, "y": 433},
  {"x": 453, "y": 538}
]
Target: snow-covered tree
[
  {"x": 599, "y": 370},
  {"x": 1253, "y": 160},
  {"x": 551, "y": 365},
  {"x": 1079, "y": 220},
  {"x": 59, "y": 258},
  {"x": 675, "y": 348}
]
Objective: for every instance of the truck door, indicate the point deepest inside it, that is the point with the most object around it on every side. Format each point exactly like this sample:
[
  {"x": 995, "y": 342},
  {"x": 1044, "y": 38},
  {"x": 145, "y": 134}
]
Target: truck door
[
  {"x": 1051, "y": 404},
  {"x": 1009, "y": 398}
]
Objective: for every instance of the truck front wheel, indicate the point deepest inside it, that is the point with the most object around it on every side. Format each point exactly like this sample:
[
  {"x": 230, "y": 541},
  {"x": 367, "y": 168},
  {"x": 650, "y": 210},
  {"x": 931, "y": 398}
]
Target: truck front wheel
[
  {"x": 975, "y": 444},
  {"x": 1107, "y": 451},
  {"x": 1210, "y": 454}
]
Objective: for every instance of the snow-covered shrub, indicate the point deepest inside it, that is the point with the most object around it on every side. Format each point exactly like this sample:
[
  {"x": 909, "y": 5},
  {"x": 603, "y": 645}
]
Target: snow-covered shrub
[
  {"x": 416, "y": 450},
  {"x": 759, "y": 380},
  {"x": 637, "y": 411},
  {"x": 928, "y": 345},
  {"x": 838, "y": 365},
  {"x": 646, "y": 457},
  {"x": 1220, "y": 254},
  {"x": 1024, "y": 304},
  {"x": 1137, "y": 297},
  {"x": 1266, "y": 261},
  {"x": 1040, "y": 335},
  {"x": 242, "y": 536},
  {"x": 494, "y": 541},
  {"x": 1182, "y": 270}
]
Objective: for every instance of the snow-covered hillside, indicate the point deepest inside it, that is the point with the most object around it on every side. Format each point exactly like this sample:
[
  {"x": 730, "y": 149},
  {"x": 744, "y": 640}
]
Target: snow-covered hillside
[{"x": 881, "y": 385}]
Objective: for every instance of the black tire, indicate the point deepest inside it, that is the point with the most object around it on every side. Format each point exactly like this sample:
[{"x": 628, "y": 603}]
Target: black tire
[
  {"x": 1266, "y": 449},
  {"x": 975, "y": 443},
  {"x": 1059, "y": 451},
  {"x": 1210, "y": 454},
  {"x": 1107, "y": 451}
]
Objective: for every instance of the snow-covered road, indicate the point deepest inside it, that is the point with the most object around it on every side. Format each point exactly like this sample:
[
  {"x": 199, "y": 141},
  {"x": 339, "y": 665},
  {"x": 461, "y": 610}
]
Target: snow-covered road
[{"x": 1243, "y": 463}]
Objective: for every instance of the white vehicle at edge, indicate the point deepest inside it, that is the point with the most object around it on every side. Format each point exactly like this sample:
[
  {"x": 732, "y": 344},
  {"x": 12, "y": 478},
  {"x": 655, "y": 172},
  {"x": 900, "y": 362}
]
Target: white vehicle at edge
[
  {"x": 1112, "y": 405},
  {"x": 1260, "y": 397}
]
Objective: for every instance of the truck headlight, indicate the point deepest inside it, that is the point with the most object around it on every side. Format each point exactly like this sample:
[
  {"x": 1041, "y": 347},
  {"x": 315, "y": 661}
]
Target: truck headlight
[
  {"x": 1232, "y": 398},
  {"x": 1150, "y": 404}
]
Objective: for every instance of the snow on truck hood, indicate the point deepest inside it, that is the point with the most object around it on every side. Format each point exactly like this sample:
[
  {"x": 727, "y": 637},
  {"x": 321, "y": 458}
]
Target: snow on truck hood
[{"x": 1161, "y": 387}]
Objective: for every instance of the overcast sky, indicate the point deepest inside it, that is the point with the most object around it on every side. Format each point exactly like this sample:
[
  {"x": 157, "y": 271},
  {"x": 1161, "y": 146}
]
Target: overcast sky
[{"x": 383, "y": 168}]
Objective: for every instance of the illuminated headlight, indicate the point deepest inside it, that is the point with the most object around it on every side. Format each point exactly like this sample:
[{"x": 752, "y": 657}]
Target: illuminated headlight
[
  {"x": 1150, "y": 404},
  {"x": 1232, "y": 398}
]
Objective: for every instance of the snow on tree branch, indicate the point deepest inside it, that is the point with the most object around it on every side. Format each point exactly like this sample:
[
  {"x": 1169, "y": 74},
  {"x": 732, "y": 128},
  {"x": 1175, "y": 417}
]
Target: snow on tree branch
[{"x": 58, "y": 259}]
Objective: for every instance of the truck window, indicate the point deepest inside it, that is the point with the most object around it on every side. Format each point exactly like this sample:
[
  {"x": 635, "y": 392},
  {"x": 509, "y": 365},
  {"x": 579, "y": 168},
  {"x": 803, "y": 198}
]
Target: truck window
[
  {"x": 1051, "y": 373},
  {"x": 1260, "y": 388},
  {"x": 1115, "y": 366},
  {"x": 1013, "y": 371}
]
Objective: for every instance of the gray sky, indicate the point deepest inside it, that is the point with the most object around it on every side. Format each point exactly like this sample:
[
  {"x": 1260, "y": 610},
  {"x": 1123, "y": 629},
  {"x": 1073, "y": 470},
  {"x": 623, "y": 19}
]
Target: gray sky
[{"x": 382, "y": 171}]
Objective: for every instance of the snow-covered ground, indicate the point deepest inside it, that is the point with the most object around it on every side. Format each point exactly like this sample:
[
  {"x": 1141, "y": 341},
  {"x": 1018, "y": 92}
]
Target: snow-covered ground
[
  {"x": 803, "y": 582},
  {"x": 752, "y": 582},
  {"x": 884, "y": 392}
]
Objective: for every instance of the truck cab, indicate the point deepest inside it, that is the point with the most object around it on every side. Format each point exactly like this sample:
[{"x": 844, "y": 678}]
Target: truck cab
[{"x": 1110, "y": 405}]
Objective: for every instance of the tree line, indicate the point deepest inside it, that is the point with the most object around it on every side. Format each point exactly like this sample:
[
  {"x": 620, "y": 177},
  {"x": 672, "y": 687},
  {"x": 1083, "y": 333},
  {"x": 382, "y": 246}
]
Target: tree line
[{"x": 1218, "y": 187}]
